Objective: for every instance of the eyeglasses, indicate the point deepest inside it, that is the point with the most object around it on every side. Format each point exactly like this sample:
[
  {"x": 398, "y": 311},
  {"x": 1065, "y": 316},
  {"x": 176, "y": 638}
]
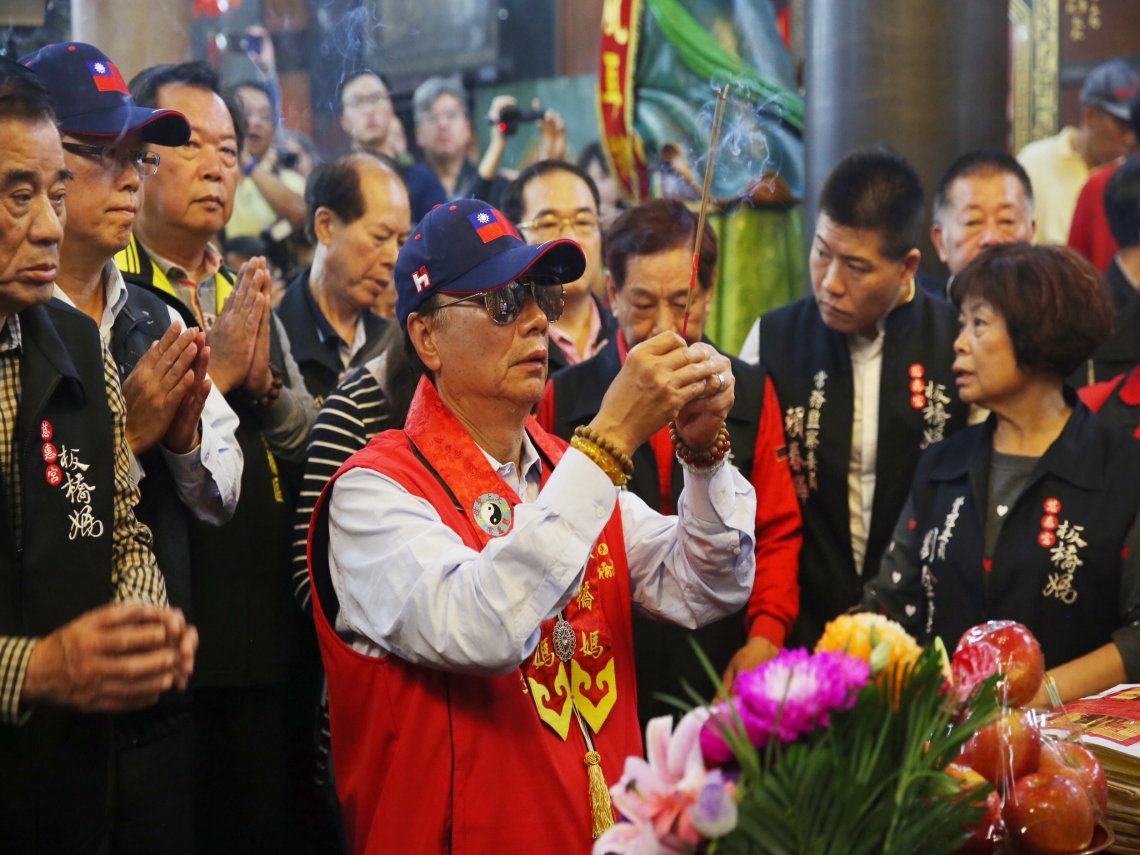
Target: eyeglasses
[
  {"x": 117, "y": 160},
  {"x": 439, "y": 118},
  {"x": 551, "y": 225},
  {"x": 372, "y": 99},
  {"x": 504, "y": 304}
]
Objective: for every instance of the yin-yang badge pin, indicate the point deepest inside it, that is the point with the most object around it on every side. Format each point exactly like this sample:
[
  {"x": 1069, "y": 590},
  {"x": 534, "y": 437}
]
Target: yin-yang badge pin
[{"x": 493, "y": 514}]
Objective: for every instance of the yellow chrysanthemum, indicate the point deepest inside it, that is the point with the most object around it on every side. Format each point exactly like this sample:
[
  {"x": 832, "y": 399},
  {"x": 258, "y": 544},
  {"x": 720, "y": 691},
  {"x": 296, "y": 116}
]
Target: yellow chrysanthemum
[{"x": 879, "y": 642}]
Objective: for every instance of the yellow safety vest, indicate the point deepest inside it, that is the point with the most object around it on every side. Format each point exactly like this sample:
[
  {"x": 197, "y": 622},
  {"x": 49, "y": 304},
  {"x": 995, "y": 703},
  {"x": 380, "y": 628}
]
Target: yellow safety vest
[{"x": 135, "y": 260}]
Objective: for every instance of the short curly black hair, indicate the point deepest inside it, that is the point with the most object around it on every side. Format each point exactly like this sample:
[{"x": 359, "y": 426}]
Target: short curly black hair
[{"x": 1054, "y": 304}]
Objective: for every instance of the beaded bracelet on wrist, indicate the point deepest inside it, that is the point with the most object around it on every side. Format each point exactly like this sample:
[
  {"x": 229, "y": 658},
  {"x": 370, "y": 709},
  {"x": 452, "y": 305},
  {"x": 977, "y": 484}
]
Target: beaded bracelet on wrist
[
  {"x": 603, "y": 459},
  {"x": 590, "y": 435},
  {"x": 708, "y": 460}
]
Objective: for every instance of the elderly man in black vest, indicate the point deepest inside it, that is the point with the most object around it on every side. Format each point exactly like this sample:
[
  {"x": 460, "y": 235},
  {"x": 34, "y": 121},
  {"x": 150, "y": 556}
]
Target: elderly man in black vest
[
  {"x": 862, "y": 368},
  {"x": 70, "y": 539},
  {"x": 648, "y": 256},
  {"x": 358, "y": 216},
  {"x": 178, "y": 426}
]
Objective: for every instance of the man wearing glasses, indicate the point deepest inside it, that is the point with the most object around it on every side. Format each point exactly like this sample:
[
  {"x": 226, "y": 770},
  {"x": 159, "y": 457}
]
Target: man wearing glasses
[
  {"x": 473, "y": 577},
  {"x": 553, "y": 199},
  {"x": 367, "y": 116},
  {"x": 179, "y": 428},
  {"x": 251, "y": 771}
]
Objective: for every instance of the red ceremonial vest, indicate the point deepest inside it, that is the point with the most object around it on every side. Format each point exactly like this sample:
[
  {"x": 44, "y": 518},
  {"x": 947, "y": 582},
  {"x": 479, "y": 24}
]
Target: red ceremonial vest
[{"x": 428, "y": 761}]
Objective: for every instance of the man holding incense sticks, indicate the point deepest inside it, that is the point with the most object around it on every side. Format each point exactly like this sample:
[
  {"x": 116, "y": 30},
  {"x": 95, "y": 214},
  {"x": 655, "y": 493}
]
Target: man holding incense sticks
[
  {"x": 648, "y": 255},
  {"x": 474, "y": 577}
]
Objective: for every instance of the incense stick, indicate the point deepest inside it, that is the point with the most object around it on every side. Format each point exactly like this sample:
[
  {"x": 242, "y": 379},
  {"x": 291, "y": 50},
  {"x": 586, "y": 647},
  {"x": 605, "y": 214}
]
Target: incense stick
[{"x": 710, "y": 165}]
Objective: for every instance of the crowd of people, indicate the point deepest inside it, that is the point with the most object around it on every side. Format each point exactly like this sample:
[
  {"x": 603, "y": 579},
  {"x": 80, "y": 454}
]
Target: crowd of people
[{"x": 340, "y": 563}]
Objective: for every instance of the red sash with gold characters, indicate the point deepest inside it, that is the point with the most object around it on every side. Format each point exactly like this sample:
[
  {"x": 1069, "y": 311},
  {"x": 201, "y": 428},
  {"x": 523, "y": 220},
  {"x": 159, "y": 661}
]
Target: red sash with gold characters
[
  {"x": 588, "y": 681},
  {"x": 621, "y": 23}
]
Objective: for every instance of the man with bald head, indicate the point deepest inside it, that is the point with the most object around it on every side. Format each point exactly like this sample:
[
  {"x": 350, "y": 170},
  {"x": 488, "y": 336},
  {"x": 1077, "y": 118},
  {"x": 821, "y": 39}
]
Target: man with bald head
[{"x": 357, "y": 215}]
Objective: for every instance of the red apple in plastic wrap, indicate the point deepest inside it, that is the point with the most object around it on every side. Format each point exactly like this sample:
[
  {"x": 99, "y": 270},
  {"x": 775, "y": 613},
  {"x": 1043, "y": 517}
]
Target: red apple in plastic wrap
[
  {"x": 1049, "y": 814},
  {"x": 990, "y": 828},
  {"x": 1078, "y": 763},
  {"x": 1019, "y": 658},
  {"x": 988, "y": 832},
  {"x": 1006, "y": 750}
]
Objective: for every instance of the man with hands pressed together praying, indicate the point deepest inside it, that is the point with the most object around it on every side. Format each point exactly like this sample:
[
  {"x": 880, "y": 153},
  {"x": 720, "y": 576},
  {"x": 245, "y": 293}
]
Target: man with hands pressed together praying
[
  {"x": 474, "y": 579},
  {"x": 251, "y": 773},
  {"x": 69, "y": 539}
]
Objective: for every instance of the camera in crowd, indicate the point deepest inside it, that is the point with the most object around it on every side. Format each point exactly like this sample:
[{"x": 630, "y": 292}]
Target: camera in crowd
[{"x": 510, "y": 117}]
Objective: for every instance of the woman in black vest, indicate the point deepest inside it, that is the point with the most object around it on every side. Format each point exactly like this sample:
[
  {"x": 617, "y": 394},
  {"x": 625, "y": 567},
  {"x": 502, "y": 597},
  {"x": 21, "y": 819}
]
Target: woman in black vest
[{"x": 1031, "y": 516}]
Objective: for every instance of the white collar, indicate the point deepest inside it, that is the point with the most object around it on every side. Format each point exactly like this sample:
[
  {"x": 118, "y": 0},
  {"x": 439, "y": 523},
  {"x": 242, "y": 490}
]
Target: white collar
[
  {"x": 529, "y": 463},
  {"x": 114, "y": 297}
]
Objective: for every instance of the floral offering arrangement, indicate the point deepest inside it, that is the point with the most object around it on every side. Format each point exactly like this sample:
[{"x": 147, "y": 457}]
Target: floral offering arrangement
[{"x": 871, "y": 744}]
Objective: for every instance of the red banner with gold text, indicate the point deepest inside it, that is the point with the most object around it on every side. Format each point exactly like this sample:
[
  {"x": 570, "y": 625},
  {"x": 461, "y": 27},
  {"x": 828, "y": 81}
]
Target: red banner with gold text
[{"x": 621, "y": 23}]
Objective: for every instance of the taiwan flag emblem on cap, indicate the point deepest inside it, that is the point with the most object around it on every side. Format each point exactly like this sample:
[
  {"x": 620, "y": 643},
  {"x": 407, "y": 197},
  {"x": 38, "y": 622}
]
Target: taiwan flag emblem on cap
[
  {"x": 490, "y": 224},
  {"x": 107, "y": 77}
]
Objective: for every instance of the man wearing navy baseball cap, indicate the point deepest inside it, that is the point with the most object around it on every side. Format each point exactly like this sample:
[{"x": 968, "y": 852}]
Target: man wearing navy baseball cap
[
  {"x": 179, "y": 427},
  {"x": 473, "y": 577},
  {"x": 91, "y": 98}
]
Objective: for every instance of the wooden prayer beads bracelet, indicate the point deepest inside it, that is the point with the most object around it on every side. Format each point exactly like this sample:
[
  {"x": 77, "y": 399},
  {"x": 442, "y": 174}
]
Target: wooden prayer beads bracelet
[
  {"x": 709, "y": 460},
  {"x": 590, "y": 435}
]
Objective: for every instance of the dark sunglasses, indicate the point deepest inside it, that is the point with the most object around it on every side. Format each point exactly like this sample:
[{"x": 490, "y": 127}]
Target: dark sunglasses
[{"x": 504, "y": 304}]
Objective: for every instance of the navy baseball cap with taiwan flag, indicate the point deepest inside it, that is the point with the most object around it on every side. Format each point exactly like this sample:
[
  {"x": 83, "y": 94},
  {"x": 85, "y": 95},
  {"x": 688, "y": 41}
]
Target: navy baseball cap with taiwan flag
[
  {"x": 466, "y": 247},
  {"x": 91, "y": 98}
]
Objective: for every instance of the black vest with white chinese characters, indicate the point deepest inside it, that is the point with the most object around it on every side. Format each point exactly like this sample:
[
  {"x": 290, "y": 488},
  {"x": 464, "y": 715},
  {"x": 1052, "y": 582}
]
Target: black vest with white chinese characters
[
  {"x": 53, "y": 768},
  {"x": 918, "y": 407},
  {"x": 662, "y": 652},
  {"x": 1057, "y": 562}
]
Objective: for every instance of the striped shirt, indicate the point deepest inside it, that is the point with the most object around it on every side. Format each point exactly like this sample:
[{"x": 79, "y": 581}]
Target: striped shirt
[
  {"x": 134, "y": 575},
  {"x": 355, "y": 412}
]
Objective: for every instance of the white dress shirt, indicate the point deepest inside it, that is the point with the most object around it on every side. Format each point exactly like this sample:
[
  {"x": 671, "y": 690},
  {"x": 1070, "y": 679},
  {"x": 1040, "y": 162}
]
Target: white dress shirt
[
  {"x": 866, "y": 372},
  {"x": 208, "y": 477},
  {"x": 407, "y": 583}
]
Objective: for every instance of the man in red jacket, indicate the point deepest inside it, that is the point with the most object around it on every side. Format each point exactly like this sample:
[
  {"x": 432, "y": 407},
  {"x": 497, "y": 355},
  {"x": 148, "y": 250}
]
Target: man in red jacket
[
  {"x": 648, "y": 253},
  {"x": 474, "y": 578}
]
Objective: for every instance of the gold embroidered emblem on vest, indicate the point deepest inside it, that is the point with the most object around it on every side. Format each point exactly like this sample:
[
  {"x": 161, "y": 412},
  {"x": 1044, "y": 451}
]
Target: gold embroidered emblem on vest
[
  {"x": 559, "y": 721},
  {"x": 590, "y": 682},
  {"x": 595, "y": 714}
]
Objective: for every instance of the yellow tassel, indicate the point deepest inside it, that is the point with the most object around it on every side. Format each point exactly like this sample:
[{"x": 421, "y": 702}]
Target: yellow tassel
[{"x": 601, "y": 808}]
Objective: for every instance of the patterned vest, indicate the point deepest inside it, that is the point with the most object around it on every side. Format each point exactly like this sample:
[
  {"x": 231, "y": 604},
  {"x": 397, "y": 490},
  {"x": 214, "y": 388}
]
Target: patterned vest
[
  {"x": 918, "y": 406},
  {"x": 1057, "y": 562}
]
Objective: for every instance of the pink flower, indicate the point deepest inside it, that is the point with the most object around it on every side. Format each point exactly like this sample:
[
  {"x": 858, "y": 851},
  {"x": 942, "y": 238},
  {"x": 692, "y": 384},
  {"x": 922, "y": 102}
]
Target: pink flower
[
  {"x": 788, "y": 696},
  {"x": 671, "y": 803}
]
